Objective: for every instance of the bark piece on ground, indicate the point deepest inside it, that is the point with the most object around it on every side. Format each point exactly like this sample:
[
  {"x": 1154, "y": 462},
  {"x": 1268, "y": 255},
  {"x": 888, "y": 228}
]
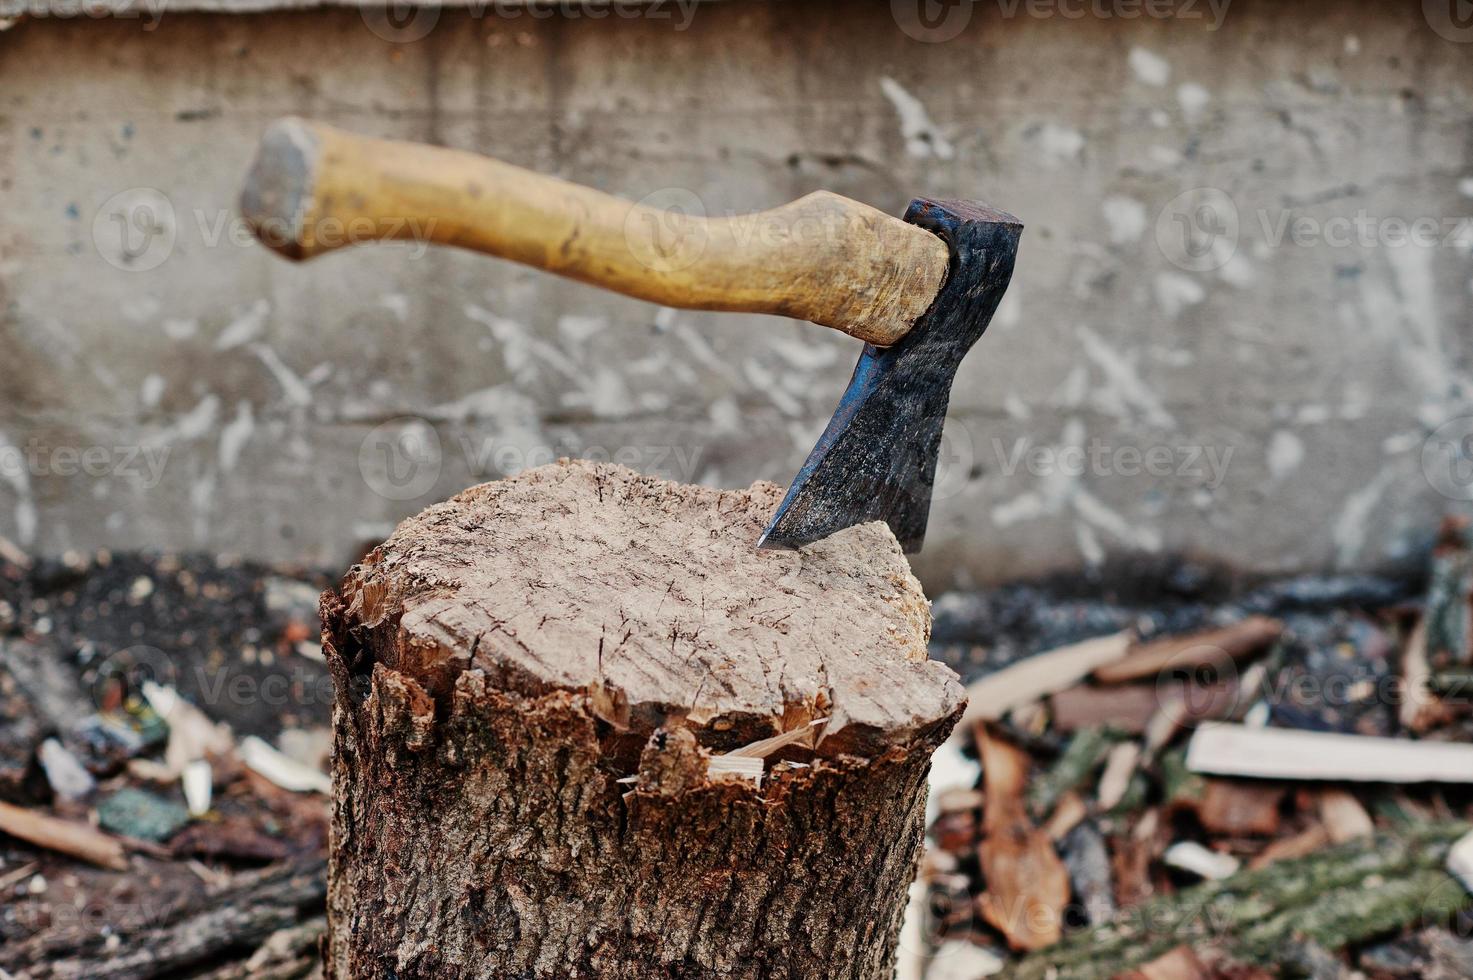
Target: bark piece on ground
[
  {"x": 1449, "y": 603},
  {"x": 1027, "y": 884},
  {"x": 20, "y": 736},
  {"x": 1254, "y": 915},
  {"x": 180, "y": 937},
  {"x": 1432, "y": 954},
  {"x": 1209, "y": 650},
  {"x": 1124, "y": 707},
  {"x": 1090, "y": 876},
  {"x": 1304, "y": 843},
  {"x": 552, "y": 660},
  {"x": 1240, "y": 808}
]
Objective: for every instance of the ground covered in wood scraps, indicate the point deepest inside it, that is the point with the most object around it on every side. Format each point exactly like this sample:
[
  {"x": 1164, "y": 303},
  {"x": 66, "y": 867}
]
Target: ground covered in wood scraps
[
  {"x": 1206, "y": 781},
  {"x": 163, "y": 728},
  {"x": 163, "y": 734}
]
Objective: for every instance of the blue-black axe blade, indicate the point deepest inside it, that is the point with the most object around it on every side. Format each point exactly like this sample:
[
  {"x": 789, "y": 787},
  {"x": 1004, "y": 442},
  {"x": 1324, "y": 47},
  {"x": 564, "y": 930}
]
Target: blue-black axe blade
[{"x": 876, "y": 461}]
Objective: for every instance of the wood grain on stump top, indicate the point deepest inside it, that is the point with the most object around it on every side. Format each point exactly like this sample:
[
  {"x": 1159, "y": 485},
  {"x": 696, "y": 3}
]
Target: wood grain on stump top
[{"x": 649, "y": 597}]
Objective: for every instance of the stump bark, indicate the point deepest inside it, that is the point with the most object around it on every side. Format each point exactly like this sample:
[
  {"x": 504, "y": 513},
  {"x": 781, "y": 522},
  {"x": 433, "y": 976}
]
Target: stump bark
[{"x": 532, "y": 680}]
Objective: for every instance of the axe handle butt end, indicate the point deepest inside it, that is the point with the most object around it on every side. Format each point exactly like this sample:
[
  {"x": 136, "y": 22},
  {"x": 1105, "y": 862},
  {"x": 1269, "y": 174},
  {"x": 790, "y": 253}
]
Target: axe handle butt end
[{"x": 824, "y": 258}]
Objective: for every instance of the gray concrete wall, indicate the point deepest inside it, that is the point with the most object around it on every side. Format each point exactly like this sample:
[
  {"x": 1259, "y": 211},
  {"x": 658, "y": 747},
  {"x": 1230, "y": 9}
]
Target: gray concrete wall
[{"x": 1216, "y": 343}]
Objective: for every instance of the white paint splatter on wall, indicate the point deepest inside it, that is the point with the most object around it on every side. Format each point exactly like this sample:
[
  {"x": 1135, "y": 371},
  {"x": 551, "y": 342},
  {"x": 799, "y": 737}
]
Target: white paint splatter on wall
[
  {"x": 922, "y": 136},
  {"x": 234, "y": 436},
  {"x": 1059, "y": 144},
  {"x": 293, "y": 388},
  {"x": 151, "y": 392},
  {"x": 1175, "y": 292},
  {"x": 246, "y": 326},
  {"x": 1149, "y": 67},
  {"x": 179, "y": 328},
  {"x": 1285, "y": 453},
  {"x": 1351, "y": 527},
  {"x": 1123, "y": 388},
  {"x": 15, "y": 474},
  {"x": 1192, "y": 98},
  {"x": 397, "y": 304},
  {"x": 196, "y": 423},
  {"x": 1061, "y": 489},
  {"x": 1126, "y": 218}
]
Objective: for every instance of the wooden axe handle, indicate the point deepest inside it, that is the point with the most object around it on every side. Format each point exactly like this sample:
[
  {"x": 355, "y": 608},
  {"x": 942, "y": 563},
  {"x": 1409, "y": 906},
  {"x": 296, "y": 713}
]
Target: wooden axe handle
[{"x": 823, "y": 257}]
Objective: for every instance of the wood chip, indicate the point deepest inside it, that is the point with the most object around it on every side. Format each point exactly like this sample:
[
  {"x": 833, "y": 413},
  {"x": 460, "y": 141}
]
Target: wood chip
[
  {"x": 1039, "y": 676},
  {"x": 958, "y": 959},
  {"x": 1125, "y": 707},
  {"x": 1131, "y": 856},
  {"x": 1300, "y": 845},
  {"x": 15, "y": 876},
  {"x": 1179, "y": 964},
  {"x": 14, "y": 553},
  {"x": 958, "y": 800},
  {"x": 192, "y": 735},
  {"x": 1240, "y": 809},
  {"x": 802, "y": 735},
  {"x": 1120, "y": 767},
  {"x": 1460, "y": 861},
  {"x": 1420, "y": 709},
  {"x": 1190, "y": 856},
  {"x": 198, "y": 782},
  {"x": 76, "y": 840},
  {"x": 1067, "y": 815},
  {"x": 735, "y": 766},
  {"x": 1027, "y": 883},
  {"x": 1193, "y": 652},
  {"x": 281, "y": 769},
  {"x": 1283, "y": 753},
  {"x": 1343, "y": 816}
]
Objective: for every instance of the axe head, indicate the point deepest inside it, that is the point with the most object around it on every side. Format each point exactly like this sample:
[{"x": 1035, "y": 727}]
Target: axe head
[{"x": 876, "y": 461}]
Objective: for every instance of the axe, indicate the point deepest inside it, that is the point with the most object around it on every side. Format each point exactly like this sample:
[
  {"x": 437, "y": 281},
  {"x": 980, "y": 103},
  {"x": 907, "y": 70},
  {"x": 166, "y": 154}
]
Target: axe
[{"x": 918, "y": 292}]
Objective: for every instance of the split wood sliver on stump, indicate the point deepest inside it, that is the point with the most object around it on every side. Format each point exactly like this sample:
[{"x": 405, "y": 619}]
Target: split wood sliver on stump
[{"x": 532, "y": 681}]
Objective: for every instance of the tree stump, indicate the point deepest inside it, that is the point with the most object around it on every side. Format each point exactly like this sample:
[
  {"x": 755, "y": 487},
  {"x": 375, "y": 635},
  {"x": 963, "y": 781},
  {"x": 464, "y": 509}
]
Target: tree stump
[{"x": 532, "y": 681}]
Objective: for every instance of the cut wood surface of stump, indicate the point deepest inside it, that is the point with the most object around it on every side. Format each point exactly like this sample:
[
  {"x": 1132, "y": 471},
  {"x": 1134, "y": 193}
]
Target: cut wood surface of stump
[{"x": 532, "y": 680}]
